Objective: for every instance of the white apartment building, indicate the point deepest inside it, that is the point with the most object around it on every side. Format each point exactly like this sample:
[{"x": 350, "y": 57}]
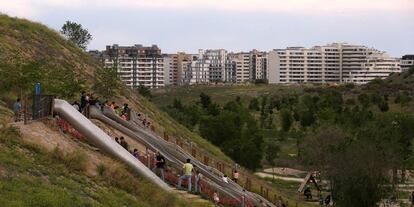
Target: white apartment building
[
  {"x": 406, "y": 62},
  {"x": 210, "y": 66},
  {"x": 333, "y": 63},
  {"x": 136, "y": 65}
]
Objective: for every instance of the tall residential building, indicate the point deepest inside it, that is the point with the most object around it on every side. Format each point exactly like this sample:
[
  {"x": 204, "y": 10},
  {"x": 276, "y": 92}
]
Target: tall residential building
[
  {"x": 333, "y": 63},
  {"x": 258, "y": 65},
  {"x": 210, "y": 66},
  {"x": 406, "y": 62},
  {"x": 175, "y": 65},
  {"x": 136, "y": 65},
  {"x": 242, "y": 64}
]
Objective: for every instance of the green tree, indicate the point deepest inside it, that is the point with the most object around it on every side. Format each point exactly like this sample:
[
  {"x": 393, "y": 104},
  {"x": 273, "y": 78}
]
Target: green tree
[
  {"x": 364, "y": 100},
  {"x": 75, "y": 33},
  {"x": 205, "y": 100},
  {"x": 286, "y": 119},
  {"x": 144, "y": 91},
  {"x": 107, "y": 82},
  {"x": 254, "y": 104}
]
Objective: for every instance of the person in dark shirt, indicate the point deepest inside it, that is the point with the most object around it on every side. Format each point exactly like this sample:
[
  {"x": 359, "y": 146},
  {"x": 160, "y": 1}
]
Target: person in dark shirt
[
  {"x": 159, "y": 165},
  {"x": 82, "y": 100},
  {"x": 135, "y": 153},
  {"x": 124, "y": 144},
  {"x": 117, "y": 140}
]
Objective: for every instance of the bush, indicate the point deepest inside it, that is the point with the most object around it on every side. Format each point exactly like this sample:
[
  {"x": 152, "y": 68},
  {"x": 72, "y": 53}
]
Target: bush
[{"x": 101, "y": 169}]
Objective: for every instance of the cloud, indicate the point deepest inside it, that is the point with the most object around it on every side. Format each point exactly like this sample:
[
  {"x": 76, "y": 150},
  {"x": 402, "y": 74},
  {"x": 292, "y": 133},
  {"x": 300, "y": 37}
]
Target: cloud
[
  {"x": 20, "y": 8},
  {"x": 30, "y": 7}
]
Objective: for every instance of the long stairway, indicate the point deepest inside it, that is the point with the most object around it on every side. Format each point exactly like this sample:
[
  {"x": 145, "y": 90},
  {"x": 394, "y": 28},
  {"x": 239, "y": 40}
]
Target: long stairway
[{"x": 231, "y": 194}]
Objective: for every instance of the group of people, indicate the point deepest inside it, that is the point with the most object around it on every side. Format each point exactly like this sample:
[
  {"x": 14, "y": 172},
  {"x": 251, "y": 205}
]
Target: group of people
[
  {"x": 235, "y": 177},
  {"x": 159, "y": 158},
  {"x": 123, "y": 112}
]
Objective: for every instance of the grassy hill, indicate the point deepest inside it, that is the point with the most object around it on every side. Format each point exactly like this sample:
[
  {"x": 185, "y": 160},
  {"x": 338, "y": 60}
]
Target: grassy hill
[{"x": 30, "y": 53}]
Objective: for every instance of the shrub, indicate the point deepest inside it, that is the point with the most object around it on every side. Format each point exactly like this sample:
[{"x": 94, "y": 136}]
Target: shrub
[{"x": 101, "y": 169}]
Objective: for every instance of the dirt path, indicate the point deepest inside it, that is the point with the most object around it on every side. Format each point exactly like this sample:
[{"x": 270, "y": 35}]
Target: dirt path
[
  {"x": 46, "y": 134},
  {"x": 266, "y": 175},
  {"x": 290, "y": 172}
]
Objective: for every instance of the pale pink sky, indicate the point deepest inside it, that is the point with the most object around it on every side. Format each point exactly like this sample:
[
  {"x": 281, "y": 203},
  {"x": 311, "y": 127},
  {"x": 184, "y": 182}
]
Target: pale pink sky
[{"x": 232, "y": 24}]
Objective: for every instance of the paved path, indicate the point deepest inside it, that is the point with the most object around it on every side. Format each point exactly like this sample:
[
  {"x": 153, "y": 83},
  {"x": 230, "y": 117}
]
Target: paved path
[{"x": 266, "y": 175}]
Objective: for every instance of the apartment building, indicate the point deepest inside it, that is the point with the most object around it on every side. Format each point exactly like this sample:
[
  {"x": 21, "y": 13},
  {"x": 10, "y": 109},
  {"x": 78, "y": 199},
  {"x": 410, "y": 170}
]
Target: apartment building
[
  {"x": 136, "y": 65},
  {"x": 332, "y": 63},
  {"x": 258, "y": 65},
  {"x": 406, "y": 62},
  {"x": 241, "y": 62},
  {"x": 174, "y": 67},
  {"x": 210, "y": 66}
]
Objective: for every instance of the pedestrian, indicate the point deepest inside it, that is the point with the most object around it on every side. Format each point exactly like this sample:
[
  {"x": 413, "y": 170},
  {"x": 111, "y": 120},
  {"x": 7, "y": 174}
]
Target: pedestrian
[
  {"x": 124, "y": 144},
  {"x": 113, "y": 106},
  {"x": 118, "y": 110},
  {"x": 82, "y": 100},
  {"x": 328, "y": 200},
  {"x": 198, "y": 178},
  {"x": 88, "y": 98},
  {"x": 235, "y": 176},
  {"x": 125, "y": 108},
  {"x": 76, "y": 106},
  {"x": 216, "y": 198},
  {"x": 321, "y": 200},
  {"x": 307, "y": 193},
  {"x": 412, "y": 199},
  {"x": 135, "y": 153},
  {"x": 225, "y": 179},
  {"x": 187, "y": 170},
  {"x": 117, "y": 140},
  {"x": 159, "y": 165},
  {"x": 17, "y": 108}
]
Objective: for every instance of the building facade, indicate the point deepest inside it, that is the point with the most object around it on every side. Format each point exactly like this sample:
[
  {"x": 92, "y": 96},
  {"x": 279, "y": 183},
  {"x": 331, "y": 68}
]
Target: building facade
[
  {"x": 332, "y": 63},
  {"x": 175, "y": 67},
  {"x": 258, "y": 66},
  {"x": 210, "y": 66},
  {"x": 136, "y": 65},
  {"x": 406, "y": 62}
]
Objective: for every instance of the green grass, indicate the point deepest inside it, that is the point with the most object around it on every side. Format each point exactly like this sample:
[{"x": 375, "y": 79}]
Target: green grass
[
  {"x": 31, "y": 176},
  {"x": 220, "y": 94}
]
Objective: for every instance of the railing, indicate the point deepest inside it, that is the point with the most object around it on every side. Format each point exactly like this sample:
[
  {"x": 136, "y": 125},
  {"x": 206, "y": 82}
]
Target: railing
[
  {"x": 250, "y": 183},
  {"x": 42, "y": 106}
]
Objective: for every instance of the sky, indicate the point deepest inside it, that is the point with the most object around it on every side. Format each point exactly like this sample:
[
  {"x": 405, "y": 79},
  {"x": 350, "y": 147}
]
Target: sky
[{"x": 235, "y": 25}]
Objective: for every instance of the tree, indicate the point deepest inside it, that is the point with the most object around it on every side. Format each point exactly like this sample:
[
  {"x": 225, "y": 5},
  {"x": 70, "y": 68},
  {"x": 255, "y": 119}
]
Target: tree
[
  {"x": 76, "y": 34},
  {"x": 254, "y": 104},
  {"x": 286, "y": 118},
  {"x": 144, "y": 91},
  {"x": 107, "y": 82},
  {"x": 355, "y": 165},
  {"x": 205, "y": 100}
]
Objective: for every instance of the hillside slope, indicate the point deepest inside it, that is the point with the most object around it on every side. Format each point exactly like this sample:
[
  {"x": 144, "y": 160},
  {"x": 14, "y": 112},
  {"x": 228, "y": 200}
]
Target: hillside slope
[{"x": 31, "y": 52}]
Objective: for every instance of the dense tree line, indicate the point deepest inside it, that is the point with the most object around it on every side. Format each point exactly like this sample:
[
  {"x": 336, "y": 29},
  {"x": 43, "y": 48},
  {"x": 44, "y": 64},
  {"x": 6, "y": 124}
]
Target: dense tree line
[
  {"x": 231, "y": 127},
  {"x": 351, "y": 136}
]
